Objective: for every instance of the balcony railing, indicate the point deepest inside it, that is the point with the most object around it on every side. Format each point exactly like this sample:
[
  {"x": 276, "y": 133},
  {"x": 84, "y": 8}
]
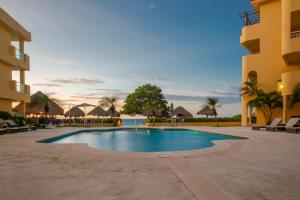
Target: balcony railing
[
  {"x": 20, "y": 87},
  {"x": 20, "y": 55},
  {"x": 295, "y": 34},
  {"x": 250, "y": 17}
]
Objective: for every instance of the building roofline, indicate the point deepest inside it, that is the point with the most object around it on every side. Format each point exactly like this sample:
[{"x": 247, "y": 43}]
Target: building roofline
[
  {"x": 16, "y": 29},
  {"x": 257, "y": 3}
]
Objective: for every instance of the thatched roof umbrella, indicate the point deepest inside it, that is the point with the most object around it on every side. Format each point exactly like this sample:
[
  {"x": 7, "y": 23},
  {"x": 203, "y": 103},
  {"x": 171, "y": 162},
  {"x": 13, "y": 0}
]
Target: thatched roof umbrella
[
  {"x": 152, "y": 113},
  {"x": 74, "y": 112},
  {"x": 54, "y": 108},
  {"x": 207, "y": 111},
  {"x": 181, "y": 112},
  {"x": 116, "y": 114},
  {"x": 98, "y": 111}
]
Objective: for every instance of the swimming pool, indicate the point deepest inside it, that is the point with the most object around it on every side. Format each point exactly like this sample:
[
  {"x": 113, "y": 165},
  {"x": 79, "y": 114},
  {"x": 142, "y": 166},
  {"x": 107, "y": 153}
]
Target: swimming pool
[
  {"x": 133, "y": 122},
  {"x": 142, "y": 140}
]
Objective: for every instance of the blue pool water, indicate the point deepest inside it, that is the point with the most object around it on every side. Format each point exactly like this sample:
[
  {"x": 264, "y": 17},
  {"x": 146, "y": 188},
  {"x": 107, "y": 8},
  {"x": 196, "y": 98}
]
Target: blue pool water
[
  {"x": 142, "y": 140},
  {"x": 133, "y": 122}
]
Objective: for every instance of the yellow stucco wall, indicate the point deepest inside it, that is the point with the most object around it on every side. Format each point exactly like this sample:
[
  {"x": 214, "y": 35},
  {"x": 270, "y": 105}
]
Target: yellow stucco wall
[
  {"x": 269, "y": 63},
  {"x": 10, "y": 31},
  {"x": 290, "y": 46}
]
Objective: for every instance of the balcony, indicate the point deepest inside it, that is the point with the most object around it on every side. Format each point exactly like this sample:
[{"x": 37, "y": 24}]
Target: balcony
[
  {"x": 22, "y": 60},
  {"x": 250, "y": 63},
  {"x": 250, "y": 38},
  {"x": 19, "y": 91},
  {"x": 250, "y": 17},
  {"x": 295, "y": 34}
]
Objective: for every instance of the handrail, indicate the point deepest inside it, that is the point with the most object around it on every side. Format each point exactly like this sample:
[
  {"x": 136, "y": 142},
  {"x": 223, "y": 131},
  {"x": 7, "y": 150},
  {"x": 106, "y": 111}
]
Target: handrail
[
  {"x": 20, "y": 87},
  {"x": 295, "y": 34},
  {"x": 20, "y": 55},
  {"x": 250, "y": 17}
]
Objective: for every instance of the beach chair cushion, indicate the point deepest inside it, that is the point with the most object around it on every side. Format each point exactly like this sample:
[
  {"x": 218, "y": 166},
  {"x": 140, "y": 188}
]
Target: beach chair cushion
[
  {"x": 292, "y": 122},
  {"x": 276, "y": 121},
  {"x": 11, "y": 123}
]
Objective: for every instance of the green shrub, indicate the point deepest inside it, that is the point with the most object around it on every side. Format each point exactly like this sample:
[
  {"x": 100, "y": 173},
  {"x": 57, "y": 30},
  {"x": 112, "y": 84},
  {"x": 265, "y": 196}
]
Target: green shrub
[
  {"x": 5, "y": 115},
  {"x": 20, "y": 120},
  {"x": 219, "y": 119}
]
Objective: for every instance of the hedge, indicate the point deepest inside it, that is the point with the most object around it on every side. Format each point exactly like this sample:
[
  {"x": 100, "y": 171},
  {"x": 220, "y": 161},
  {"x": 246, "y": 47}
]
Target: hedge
[
  {"x": 89, "y": 120},
  {"x": 219, "y": 119},
  {"x": 20, "y": 120}
]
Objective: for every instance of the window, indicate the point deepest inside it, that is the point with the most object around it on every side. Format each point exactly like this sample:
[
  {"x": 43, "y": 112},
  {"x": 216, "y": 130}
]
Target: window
[
  {"x": 295, "y": 24},
  {"x": 252, "y": 76}
]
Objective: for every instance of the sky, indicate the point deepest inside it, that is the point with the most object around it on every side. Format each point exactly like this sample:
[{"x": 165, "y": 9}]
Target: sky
[{"x": 82, "y": 50}]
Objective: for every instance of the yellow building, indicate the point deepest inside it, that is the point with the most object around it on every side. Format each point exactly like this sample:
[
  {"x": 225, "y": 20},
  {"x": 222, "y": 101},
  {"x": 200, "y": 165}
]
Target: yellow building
[
  {"x": 13, "y": 60},
  {"x": 271, "y": 33}
]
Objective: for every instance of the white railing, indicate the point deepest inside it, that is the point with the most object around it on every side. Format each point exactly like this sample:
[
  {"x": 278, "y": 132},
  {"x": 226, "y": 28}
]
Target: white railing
[
  {"x": 20, "y": 87},
  {"x": 295, "y": 34},
  {"x": 20, "y": 55}
]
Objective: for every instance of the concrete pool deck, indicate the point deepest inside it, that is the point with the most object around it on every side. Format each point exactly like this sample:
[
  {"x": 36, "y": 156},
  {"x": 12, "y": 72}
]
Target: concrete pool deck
[{"x": 265, "y": 166}]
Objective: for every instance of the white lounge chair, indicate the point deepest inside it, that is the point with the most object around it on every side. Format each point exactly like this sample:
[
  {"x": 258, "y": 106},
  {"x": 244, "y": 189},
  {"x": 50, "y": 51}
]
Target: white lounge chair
[
  {"x": 3, "y": 130},
  {"x": 274, "y": 123},
  {"x": 289, "y": 125}
]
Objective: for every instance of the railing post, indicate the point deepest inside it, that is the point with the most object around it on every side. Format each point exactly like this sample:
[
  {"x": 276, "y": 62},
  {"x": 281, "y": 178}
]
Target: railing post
[{"x": 247, "y": 21}]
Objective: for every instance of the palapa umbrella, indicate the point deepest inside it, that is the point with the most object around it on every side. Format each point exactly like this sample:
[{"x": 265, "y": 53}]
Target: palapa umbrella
[
  {"x": 54, "y": 108},
  {"x": 98, "y": 111},
  {"x": 152, "y": 112},
  {"x": 181, "y": 112},
  {"x": 207, "y": 111},
  {"x": 84, "y": 105},
  {"x": 116, "y": 114},
  {"x": 75, "y": 112}
]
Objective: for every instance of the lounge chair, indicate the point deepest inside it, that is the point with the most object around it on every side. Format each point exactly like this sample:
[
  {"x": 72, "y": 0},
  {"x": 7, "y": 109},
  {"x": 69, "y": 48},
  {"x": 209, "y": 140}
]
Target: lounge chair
[
  {"x": 293, "y": 129},
  {"x": 275, "y": 122},
  {"x": 3, "y": 130},
  {"x": 290, "y": 125},
  {"x": 12, "y": 124},
  {"x": 2, "y": 123}
]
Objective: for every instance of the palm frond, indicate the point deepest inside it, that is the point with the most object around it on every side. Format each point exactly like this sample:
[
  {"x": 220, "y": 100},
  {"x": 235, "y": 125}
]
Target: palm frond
[{"x": 295, "y": 98}]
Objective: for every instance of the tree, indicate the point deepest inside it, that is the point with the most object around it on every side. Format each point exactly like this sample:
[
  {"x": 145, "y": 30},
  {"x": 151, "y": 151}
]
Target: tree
[
  {"x": 110, "y": 102},
  {"x": 213, "y": 103},
  {"x": 267, "y": 102},
  {"x": 145, "y": 97},
  {"x": 295, "y": 95},
  {"x": 250, "y": 89}
]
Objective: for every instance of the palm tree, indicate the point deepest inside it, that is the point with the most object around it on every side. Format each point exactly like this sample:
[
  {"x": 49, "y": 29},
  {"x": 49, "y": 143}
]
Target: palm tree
[
  {"x": 251, "y": 89},
  {"x": 267, "y": 102},
  {"x": 213, "y": 103},
  {"x": 295, "y": 95},
  {"x": 110, "y": 102}
]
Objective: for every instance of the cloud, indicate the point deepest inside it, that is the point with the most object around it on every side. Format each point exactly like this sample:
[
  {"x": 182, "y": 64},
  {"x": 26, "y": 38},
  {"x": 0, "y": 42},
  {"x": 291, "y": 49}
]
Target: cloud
[
  {"x": 47, "y": 84},
  {"x": 222, "y": 99},
  {"x": 228, "y": 91},
  {"x": 226, "y": 95},
  {"x": 50, "y": 93},
  {"x": 85, "y": 81},
  {"x": 108, "y": 90},
  {"x": 142, "y": 79}
]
